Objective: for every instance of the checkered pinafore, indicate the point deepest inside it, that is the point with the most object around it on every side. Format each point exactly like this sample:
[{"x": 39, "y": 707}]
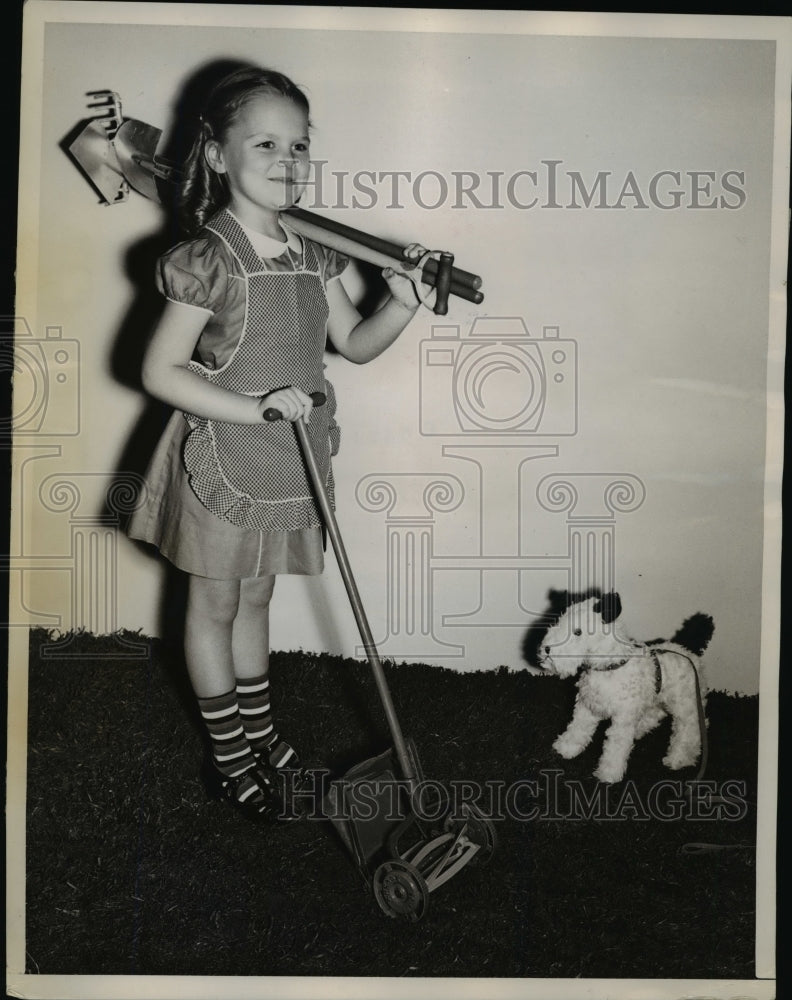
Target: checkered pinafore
[{"x": 254, "y": 475}]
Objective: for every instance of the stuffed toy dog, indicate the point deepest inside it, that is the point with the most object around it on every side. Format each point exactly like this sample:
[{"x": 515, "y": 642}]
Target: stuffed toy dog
[{"x": 633, "y": 684}]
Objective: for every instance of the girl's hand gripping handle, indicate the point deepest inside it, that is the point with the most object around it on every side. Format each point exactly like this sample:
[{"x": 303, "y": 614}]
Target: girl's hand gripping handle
[
  {"x": 272, "y": 414},
  {"x": 417, "y": 259}
]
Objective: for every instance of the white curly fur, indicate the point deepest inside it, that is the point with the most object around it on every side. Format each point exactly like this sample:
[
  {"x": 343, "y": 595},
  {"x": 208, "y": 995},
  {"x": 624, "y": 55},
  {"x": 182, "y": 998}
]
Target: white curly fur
[{"x": 626, "y": 695}]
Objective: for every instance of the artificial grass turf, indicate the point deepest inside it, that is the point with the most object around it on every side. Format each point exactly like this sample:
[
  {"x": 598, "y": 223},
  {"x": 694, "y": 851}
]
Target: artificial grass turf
[{"x": 132, "y": 870}]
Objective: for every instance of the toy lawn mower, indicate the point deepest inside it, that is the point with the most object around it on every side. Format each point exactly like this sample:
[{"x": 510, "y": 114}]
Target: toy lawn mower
[{"x": 402, "y": 832}]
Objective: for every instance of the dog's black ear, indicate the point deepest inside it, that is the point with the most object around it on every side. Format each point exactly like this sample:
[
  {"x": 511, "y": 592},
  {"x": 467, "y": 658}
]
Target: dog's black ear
[
  {"x": 558, "y": 601},
  {"x": 609, "y": 606}
]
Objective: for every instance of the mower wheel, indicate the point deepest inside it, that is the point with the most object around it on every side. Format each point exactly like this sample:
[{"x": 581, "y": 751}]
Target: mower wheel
[
  {"x": 400, "y": 890},
  {"x": 480, "y": 830}
]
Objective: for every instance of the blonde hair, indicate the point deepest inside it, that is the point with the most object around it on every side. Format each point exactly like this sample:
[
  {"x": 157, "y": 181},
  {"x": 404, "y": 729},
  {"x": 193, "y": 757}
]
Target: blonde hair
[{"x": 203, "y": 191}]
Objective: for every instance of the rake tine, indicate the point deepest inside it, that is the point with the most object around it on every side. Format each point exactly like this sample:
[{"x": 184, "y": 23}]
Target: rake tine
[{"x": 105, "y": 108}]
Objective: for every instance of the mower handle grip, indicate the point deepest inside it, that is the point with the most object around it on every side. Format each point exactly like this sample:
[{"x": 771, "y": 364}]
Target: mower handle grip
[{"x": 272, "y": 414}]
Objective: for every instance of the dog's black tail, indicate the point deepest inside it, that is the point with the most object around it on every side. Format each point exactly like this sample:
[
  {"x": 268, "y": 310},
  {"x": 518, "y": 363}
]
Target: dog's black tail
[{"x": 695, "y": 633}]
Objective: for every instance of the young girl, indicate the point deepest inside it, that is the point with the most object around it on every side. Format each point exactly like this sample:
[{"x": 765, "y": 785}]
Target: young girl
[{"x": 249, "y": 306}]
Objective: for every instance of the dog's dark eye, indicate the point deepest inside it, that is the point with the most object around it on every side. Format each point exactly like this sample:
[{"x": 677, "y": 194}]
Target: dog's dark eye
[{"x": 578, "y": 631}]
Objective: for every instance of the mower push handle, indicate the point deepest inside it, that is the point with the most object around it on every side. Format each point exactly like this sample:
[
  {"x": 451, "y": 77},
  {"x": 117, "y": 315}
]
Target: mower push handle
[
  {"x": 272, "y": 414},
  {"x": 328, "y": 515}
]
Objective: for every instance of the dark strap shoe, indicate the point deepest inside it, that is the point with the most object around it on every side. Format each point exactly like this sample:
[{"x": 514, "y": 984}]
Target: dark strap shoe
[
  {"x": 252, "y": 792},
  {"x": 297, "y": 784}
]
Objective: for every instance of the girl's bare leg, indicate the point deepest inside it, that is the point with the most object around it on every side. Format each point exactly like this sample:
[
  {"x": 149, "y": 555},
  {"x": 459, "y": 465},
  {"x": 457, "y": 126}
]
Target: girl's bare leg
[
  {"x": 212, "y": 606},
  {"x": 251, "y": 663},
  {"x": 250, "y": 637}
]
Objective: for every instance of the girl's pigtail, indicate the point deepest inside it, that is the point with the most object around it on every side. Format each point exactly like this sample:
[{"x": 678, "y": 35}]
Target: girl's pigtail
[{"x": 202, "y": 191}]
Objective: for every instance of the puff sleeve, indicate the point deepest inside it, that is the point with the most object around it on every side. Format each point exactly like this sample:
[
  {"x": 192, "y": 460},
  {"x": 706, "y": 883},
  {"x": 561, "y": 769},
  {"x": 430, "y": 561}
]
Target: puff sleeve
[
  {"x": 334, "y": 263},
  {"x": 195, "y": 273}
]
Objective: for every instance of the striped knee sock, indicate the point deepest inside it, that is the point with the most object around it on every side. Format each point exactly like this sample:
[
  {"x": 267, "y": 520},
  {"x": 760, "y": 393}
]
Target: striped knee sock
[
  {"x": 256, "y": 713},
  {"x": 230, "y": 748}
]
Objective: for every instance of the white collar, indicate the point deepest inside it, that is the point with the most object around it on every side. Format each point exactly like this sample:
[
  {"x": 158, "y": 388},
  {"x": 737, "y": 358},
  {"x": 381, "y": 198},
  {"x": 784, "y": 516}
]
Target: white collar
[{"x": 267, "y": 246}]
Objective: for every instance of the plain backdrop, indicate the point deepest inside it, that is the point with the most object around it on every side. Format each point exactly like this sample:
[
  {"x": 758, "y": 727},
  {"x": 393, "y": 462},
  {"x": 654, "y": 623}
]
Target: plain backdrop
[{"x": 665, "y": 310}]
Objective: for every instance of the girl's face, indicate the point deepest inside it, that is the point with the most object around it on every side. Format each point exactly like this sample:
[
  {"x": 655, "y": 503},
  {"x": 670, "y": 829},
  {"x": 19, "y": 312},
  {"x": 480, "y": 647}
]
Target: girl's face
[{"x": 265, "y": 159}]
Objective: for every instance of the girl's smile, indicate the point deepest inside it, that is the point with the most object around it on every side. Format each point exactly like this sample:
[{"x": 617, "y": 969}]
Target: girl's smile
[{"x": 265, "y": 159}]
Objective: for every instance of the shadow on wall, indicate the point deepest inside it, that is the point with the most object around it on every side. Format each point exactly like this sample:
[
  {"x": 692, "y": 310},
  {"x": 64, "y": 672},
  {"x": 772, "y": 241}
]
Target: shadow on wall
[
  {"x": 135, "y": 330},
  {"x": 132, "y": 337}
]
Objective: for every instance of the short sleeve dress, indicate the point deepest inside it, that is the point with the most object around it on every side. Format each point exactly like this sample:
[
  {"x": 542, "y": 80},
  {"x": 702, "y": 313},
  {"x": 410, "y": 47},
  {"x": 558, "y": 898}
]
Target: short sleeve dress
[{"x": 232, "y": 501}]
